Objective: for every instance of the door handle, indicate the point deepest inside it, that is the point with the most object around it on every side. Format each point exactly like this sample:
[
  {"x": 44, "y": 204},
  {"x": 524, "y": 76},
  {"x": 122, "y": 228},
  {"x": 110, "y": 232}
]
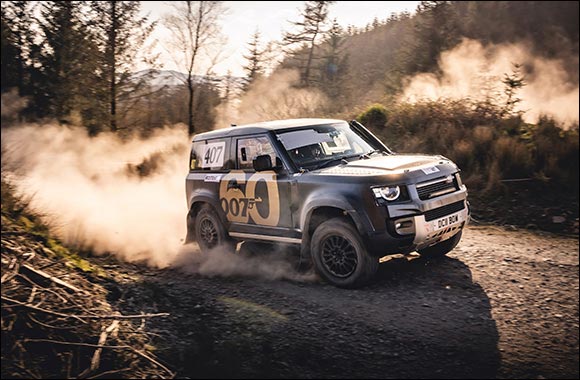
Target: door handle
[{"x": 233, "y": 184}]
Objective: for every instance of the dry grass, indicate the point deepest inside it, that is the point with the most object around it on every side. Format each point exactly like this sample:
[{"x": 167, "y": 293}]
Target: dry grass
[
  {"x": 56, "y": 321},
  {"x": 488, "y": 148}
]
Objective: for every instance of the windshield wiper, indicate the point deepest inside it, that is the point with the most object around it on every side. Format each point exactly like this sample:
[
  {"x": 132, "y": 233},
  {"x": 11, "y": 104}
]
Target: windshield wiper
[
  {"x": 369, "y": 154},
  {"x": 342, "y": 159}
]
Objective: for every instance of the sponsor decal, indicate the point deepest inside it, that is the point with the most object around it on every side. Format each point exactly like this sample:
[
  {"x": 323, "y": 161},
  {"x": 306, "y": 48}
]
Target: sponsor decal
[
  {"x": 430, "y": 170},
  {"x": 213, "y": 178},
  {"x": 242, "y": 204}
]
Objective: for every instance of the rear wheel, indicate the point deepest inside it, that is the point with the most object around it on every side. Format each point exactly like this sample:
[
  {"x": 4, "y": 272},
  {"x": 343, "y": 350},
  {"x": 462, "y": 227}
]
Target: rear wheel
[
  {"x": 340, "y": 256},
  {"x": 210, "y": 232},
  {"x": 441, "y": 249}
]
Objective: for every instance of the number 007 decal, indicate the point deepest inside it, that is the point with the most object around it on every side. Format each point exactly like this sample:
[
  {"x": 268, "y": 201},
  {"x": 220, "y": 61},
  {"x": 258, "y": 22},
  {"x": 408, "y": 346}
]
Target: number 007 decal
[
  {"x": 241, "y": 206},
  {"x": 213, "y": 155}
]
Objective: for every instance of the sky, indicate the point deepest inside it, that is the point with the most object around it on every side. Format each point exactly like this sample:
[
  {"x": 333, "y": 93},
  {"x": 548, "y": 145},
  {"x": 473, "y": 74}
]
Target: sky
[{"x": 271, "y": 18}]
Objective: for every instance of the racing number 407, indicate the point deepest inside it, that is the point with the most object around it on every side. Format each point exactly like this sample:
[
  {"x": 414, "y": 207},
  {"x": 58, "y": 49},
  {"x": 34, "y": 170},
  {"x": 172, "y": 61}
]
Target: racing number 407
[{"x": 213, "y": 155}]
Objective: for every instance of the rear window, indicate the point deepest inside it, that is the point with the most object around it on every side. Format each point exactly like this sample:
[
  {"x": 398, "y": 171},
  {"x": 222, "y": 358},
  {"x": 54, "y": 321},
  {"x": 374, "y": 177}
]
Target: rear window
[{"x": 210, "y": 155}]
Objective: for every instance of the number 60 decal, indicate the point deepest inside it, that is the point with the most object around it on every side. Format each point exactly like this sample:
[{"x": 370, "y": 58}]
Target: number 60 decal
[{"x": 241, "y": 207}]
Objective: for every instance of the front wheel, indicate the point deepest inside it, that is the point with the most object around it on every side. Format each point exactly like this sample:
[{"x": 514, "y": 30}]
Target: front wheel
[
  {"x": 210, "y": 233},
  {"x": 441, "y": 249},
  {"x": 340, "y": 256}
]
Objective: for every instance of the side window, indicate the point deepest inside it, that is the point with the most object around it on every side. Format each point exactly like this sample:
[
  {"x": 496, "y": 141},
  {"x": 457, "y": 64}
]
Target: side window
[
  {"x": 210, "y": 155},
  {"x": 250, "y": 148}
]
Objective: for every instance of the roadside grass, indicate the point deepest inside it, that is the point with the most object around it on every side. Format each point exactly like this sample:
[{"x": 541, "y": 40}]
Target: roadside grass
[
  {"x": 252, "y": 311},
  {"x": 18, "y": 216}
]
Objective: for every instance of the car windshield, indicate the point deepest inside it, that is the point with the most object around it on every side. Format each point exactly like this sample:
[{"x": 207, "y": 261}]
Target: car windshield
[{"x": 321, "y": 145}]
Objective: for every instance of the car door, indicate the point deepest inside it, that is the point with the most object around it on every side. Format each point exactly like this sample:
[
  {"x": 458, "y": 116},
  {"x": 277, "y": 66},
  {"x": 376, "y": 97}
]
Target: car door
[{"x": 257, "y": 203}]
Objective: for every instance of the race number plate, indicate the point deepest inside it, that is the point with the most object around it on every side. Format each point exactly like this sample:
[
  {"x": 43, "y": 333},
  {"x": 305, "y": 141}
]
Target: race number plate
[
  {"x": 448, "y": 220},
  {"x": 213, "y": 155}
]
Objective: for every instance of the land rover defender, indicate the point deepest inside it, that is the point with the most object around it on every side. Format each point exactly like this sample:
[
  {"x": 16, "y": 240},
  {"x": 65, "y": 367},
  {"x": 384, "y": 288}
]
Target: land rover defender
[{"x": 331, "y": 187}]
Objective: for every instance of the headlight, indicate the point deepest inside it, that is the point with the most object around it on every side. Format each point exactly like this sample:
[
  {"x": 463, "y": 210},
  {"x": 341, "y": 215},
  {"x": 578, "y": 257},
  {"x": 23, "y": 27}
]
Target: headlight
[{"x": 389, "y": 193}]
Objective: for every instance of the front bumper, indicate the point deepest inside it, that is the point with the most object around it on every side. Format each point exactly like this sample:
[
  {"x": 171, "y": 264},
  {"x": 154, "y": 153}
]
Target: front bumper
[
  {"x": 428, "y": 233},
  {"x": 413, "y": 226}
]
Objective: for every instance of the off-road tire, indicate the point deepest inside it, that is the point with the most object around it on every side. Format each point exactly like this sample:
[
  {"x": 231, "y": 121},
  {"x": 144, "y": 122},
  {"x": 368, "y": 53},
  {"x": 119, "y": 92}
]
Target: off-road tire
[
  {"x": 210, "y": 233},
  {"x": 340, "y": 256}
]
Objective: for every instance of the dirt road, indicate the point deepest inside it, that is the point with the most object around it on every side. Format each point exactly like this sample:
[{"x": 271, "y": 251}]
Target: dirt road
[{"x": 503, "y": 304}]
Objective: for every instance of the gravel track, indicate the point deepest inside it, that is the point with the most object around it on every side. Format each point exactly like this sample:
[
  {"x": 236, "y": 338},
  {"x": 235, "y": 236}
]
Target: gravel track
[{"x": 503, "y": 304}]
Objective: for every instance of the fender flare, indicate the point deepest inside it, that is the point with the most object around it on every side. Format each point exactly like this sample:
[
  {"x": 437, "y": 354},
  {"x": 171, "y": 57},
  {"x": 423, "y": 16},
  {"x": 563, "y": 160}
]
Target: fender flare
[
  {"x": 337, "y": 202},
  {"x": 202, "y": 196}
]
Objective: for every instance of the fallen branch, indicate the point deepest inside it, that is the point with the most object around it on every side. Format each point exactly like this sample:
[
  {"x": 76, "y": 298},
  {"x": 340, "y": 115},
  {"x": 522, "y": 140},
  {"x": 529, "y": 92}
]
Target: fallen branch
[
  {"x": 23, "y": 368},
  {"x": 14, "y": 233},
  {"x": 96, "y": 359},
  {"x": 49, "y": 277},
  {"x": 80, "y": 317},
  {"x": 73, "y": 343},
  {"x": 32, "y": 294},
  {"x": 50, "y": 326},
  {"x": 153, "y": 361},
  {"x": 35, "y": 308},
  {"x": 102, "y": 346},
  {"x": 109, "y": 373},
  {"x": 51, "y": 264},
  {"x": 7, "y": 276},
  {"x": 12, "y": 263}
]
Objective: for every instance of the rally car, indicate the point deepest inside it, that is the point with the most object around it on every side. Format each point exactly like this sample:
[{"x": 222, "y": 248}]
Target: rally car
[{"x": 329, "y": 186}]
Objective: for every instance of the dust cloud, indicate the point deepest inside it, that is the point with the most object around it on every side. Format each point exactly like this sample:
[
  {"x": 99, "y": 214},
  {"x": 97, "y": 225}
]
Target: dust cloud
[
  {"x": 271, "y": 263},
  {"x": 473, "y": 70},
  {"x": 12, "y": 104},
  {"x": 274, "y": 97},
  {"x": 119, "y": 196},
  {"x": 103, "y": 193}
]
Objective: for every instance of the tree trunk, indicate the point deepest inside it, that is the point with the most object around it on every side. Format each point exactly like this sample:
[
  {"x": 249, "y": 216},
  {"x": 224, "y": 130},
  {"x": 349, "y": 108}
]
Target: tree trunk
[
  {"x": 307, "y": 71},
  {"x": 112, "y": 63},
  {"x": 191, "y": 89},
  {"x": 310, "y": 54},
  {"x": 190, "y": 84},
  {"x": 20, "y": 73}
]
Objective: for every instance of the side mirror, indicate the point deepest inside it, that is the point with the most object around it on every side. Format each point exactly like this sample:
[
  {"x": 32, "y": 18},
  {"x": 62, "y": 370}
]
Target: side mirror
[{"x": 263, "y": 162}]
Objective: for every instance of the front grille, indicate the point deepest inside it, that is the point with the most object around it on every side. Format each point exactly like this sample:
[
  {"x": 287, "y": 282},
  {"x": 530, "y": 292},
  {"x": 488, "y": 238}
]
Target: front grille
[
  {"x": 439, "y": 212},
  {"x": 433, "y": 189}
]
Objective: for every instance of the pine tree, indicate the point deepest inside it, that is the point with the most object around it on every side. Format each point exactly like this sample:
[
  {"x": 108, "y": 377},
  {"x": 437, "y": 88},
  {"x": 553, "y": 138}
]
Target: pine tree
[
  {"x": 436, "y": 30},
  {"x": 311, "y": 29},
  {"x": 255, "y": 57},
  {"x": 17, "y": 36},
  {"x": 10, "y": 54},
  {"x": 512, "y": 84},
  {"x": 228, "y": 87},
  {"x": 67, "y": 61},
  {"x": 121, "y": 34},
  {"x": 334, "y": 67}
]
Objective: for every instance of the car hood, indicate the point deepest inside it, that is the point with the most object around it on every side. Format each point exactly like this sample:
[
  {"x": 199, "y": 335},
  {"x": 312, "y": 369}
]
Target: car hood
[{"x": 392, "y": 164}]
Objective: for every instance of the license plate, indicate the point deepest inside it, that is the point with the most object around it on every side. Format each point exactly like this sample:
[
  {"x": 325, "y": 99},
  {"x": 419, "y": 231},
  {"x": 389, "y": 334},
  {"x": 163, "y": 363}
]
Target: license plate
[{"x": 447, "y": 221}]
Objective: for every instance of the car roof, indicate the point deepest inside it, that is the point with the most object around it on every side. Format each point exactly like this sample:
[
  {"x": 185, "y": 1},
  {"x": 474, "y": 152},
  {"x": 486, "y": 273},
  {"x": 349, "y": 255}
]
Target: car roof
[{"x": 248, "y": 129}]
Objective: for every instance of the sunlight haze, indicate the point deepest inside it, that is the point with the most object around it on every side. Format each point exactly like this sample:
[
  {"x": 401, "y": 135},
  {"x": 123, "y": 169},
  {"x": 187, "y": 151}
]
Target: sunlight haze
[{"x": 271, "y": 18}]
